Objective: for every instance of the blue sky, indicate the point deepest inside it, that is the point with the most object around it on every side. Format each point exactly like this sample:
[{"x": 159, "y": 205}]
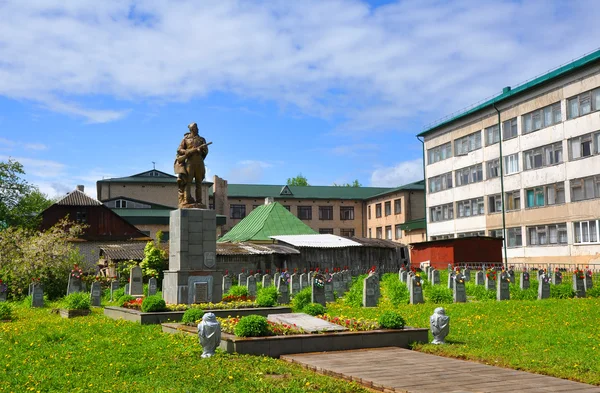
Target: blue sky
[{"x": 335, "y": 90}]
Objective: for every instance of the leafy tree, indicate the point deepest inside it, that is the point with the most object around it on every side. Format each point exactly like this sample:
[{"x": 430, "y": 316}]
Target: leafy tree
[
  {"x": 20, "y": 202},
  {"x": 297, "y": 181},
  {"x": 355, "y": 183},
  {"x": 155, "y": 258}
]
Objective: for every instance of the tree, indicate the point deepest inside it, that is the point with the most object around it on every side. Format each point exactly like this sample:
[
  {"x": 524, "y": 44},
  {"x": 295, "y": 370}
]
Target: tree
[
  {"x": 20, "y": 202},
  {"x": 355, "y": 183},
  {"x": 297, "y": 181},
  {"x": 155, "y": 258}
]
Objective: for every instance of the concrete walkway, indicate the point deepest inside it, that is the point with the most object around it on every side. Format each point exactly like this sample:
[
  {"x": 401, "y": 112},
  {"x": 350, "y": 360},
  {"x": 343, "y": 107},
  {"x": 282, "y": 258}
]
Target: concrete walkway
[{"x": 401, "y": 370}]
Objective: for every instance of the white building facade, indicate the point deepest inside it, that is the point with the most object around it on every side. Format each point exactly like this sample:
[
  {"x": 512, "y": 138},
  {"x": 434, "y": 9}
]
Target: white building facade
[{"x": 539, "y": 170}]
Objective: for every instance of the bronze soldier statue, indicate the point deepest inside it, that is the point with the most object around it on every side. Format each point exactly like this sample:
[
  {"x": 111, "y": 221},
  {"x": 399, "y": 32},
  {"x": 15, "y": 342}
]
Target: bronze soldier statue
[{"x": 189, "y": 166}]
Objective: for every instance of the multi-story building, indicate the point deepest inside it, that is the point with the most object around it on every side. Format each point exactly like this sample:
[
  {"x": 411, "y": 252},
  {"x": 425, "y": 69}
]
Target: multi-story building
[
  {"x": 524, "y": 165},
  {"x": 326, "y": 209}
]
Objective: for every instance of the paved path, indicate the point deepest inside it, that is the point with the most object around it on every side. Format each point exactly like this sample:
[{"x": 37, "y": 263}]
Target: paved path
[{"x": 401, "y": 370}]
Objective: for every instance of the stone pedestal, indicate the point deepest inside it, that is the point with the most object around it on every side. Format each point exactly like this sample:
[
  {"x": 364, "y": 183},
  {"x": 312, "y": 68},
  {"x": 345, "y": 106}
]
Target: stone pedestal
[{"x": 192, "y": 276}]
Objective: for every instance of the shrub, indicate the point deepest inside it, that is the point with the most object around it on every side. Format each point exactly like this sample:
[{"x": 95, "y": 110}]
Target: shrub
[
  {"x": 391, "y": 320},
  {"x": 594, "y": 292},
  {"x": 516, "y": 293},
  {"x": 76, "y": 301},
  {"x": 124, "y": 299},
  {"x": 354, "y": 296},
  {"x": 192, "y": 315},
  {"x": 238, "y": 290},
  {"x": 252, "y": 326},
  {"x": 395, "y": 290},
  {"x": 314, "y": 309},
  {"x": 5, "y": 311},
  {"x": 153, "y": 304},
  {"x": 480, "y": 293},
  {"x": 562, "y": 291},
  {"x": 267, "y": 297},
  {"x": 28, "y": 300},
  {"x": 301, "y": 299},
  {"x": 117, "y": 294},
  {"x": 439, "y": 294}
]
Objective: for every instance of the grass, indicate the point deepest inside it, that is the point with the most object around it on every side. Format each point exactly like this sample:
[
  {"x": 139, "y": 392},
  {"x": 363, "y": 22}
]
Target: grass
[
  {"x": 556, "y": 337},
  {"x": 42, "y": 352}
]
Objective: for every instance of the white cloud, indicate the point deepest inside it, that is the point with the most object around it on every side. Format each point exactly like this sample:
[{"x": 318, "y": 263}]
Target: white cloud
[
  {"x": 248, "y": 171},
  {"x": 371, "y": 67},
  {"x": 402, "y": 173},
  {"x": 353, "y": 150},
  {"x": 41, "y": 168}
]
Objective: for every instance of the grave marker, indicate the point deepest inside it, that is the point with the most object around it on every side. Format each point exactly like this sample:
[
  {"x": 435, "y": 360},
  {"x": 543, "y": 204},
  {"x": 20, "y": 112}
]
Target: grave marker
[
  {"x": 451, "y": 280},
  {"x": 318, "y": 289},
  {"x": 152, "y": 286},
  {"x": 557, "y": 277},
  {"x": 511, "y": 275},
  {"x": 543, "y": 286},
  {"x": 136, "y": 286},
  {"x": 96, "y": 294},
  {"x": 416, "y": 290},
  {"x": 467, "y": 273},
  {"x": 201, "y": 292},
  {"x": 126, "y": 290},
  {"x": 283, "y": 286},
  {"x": 38, "y": 296},
  {"x": 479, "y": 279},
  {"x": 267, "y": 281},
  {"x": 294, "y": 284},
  {"x": 329, "y": 289},
  {"x": 588, "y": 283},
  {"x": 242, "y": 279},
  {"x": 114, "y": 285},
  {"x": 251, "y": 285},
  {"x": 227, "y": 283},
  {"x": 524, "y": 281},
  {"x": 403, "y": 276},
  {"x": 435, "y": 277},
  {"x": 459, "y": 293},
  {"x": 578, "y": 283},
  {"x": 490, "y": 280},
  {"x": 74, "y": 284},
  {"x": 503, "y": 289},
  {"x": 338, "y": 284},
  {"x": 303, "y": 281},
  {"x": 370, "y": 292}
]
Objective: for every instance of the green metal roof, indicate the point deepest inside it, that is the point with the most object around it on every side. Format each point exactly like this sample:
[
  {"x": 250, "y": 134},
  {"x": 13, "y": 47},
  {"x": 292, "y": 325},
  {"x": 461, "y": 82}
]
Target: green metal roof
[
  {"x": 302, "y": 192},
  {"x": 416, "y": 186},
  {"x": 536, "y": 82},
  {"x": 144, "y": 178},
  {"x": 264, "y": 221},
  {"x": 413, "y": 224},
  {"x": 153, "y": 216}
]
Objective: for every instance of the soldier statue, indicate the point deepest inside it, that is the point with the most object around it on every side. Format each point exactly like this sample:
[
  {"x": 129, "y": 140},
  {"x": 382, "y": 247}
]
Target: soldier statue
[{"x": 189, "y": 167}]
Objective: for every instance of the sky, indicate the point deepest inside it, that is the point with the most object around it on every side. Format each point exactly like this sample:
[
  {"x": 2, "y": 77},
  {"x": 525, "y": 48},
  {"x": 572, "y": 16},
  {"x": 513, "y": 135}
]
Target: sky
[{"x": 334, "y": 89}]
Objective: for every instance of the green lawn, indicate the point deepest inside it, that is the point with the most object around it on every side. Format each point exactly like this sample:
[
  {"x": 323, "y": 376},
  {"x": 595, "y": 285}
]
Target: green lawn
[
  {"x": 42, "y": 352},
  {"x": 557, "y": 337}
]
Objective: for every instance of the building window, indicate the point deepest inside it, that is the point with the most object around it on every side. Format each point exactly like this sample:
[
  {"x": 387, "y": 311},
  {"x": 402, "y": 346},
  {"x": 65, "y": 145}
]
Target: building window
[
  {"x": 443, "y": 237},
  {"x": 585, "y": 188},
  {"x": 492, "y": 135},
  {"x": 397, "y": 206},
  {"x": 541, "y": 118},
  {"x": 398, "y": 229},
  {"x": 544, "y": 235},
  {"x": 370, "y": 234},
  {"x": 551, "y": 194},
  {"x": 586, "y": 232},
  {"x": 378, "y": 210},
  {"x": 466, "y": 144},
  {"x": 441, "y": 213},
  {"x": 325, "y": 212},
  {"x": 211, "y": 206},
  {"x": 347, "y": 213},
  {"x": 121, "y": 204},
  {"x": 439, "y": 153},
  {"x": 470, "y": 234},
  {"x": 509, "y": 129},
  {"x": 583, "y": 104},
  {"x": 349, "y": 232},
  {"x": 369, "y": 212},
  {"x": 513, "y": 200},
  {"x": 165, "y": 236},
  {"x": 388, "y": 208},
  {"x": 326, "y": 231},
  {"x": 147, "y": 233},
  {"x": 511, "y": 164},
  {"x": 81, "y": 217},
  {"x": 288, "y": 208},
  {"x": 237, "y": 211},
  {"x": 495, "y": 203},
  {"x": 584, "y": 146},
  {"x": 470, "y": 207},
  {"x": 388, "y": 232},
  {"x": 515, "y": 239},
  {"x": 468, "y": 175},
  {"x": 378, "y": 232},
  {"x": 440, "y": 183},
  {"x": 305, "y": 212},
  {"x": 496, "y": 233},
  {"x": 493, "y": 168},
  {"x": 543, "y": 156}
]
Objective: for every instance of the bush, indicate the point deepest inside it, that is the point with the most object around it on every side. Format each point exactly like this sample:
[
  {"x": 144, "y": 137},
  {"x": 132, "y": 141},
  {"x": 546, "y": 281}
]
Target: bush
[
  {"x": 5, "y": 311},
  {"x": 238, "y": 290},
  {"x": 252, "y": 326},
  {"x": 117, "y": 294},
  {"x": 302, "y": 299},
  {"x": 267, "y": 297},
  {"x": 594, "y": 292},
  {"x": 28, "y": 300},
  {"x": 391, "y": 320},
  {"x": 76, "y": 301},
  {"x": 439, "y": 294},
  {"x": 562, "y": 291},
  {"x": 314, "y": 309},
  {"x": 153, "y": 304},
  {"x": 354, "y": 296},
  {"x": 395, "y": 290},
  {"x": 516, "y": 293},
  {"x": 192, "y": 315},
  {"x": 480, "y": 293},
  {"x": 124, "y": 299}
]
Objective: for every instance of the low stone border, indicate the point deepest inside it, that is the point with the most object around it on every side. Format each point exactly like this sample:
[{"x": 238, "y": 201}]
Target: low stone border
[
  {"x": 73, "y": 313},
  {"x": 152, "y": 318},
  {"x": 276, "y": 346}
]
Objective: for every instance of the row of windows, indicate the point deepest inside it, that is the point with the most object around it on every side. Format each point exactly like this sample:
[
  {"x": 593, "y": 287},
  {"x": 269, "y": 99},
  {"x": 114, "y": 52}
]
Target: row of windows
[
  {"x": 388, "y": 208},
  {"x": 237, "y": 211},
  {"x": 540, "y": 196},
  {"x": 539, "y": 157},
  {"x": 388, "y": 232},
  {"x": 585, "y": 232},
  {"x": 579, "y": 105},
  {"x": 345, "y": 232}
]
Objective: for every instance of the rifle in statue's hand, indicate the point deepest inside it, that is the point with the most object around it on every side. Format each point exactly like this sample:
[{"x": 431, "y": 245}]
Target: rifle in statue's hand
[{"x": 181, "y": 159}]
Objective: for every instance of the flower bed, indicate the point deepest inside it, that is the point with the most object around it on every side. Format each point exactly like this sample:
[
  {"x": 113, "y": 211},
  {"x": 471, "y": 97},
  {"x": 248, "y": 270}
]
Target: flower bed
[
  {"x": 275, "y": 329},
  {"x": 353, "y": 324},
  {"x": 231, "y": 305}
]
